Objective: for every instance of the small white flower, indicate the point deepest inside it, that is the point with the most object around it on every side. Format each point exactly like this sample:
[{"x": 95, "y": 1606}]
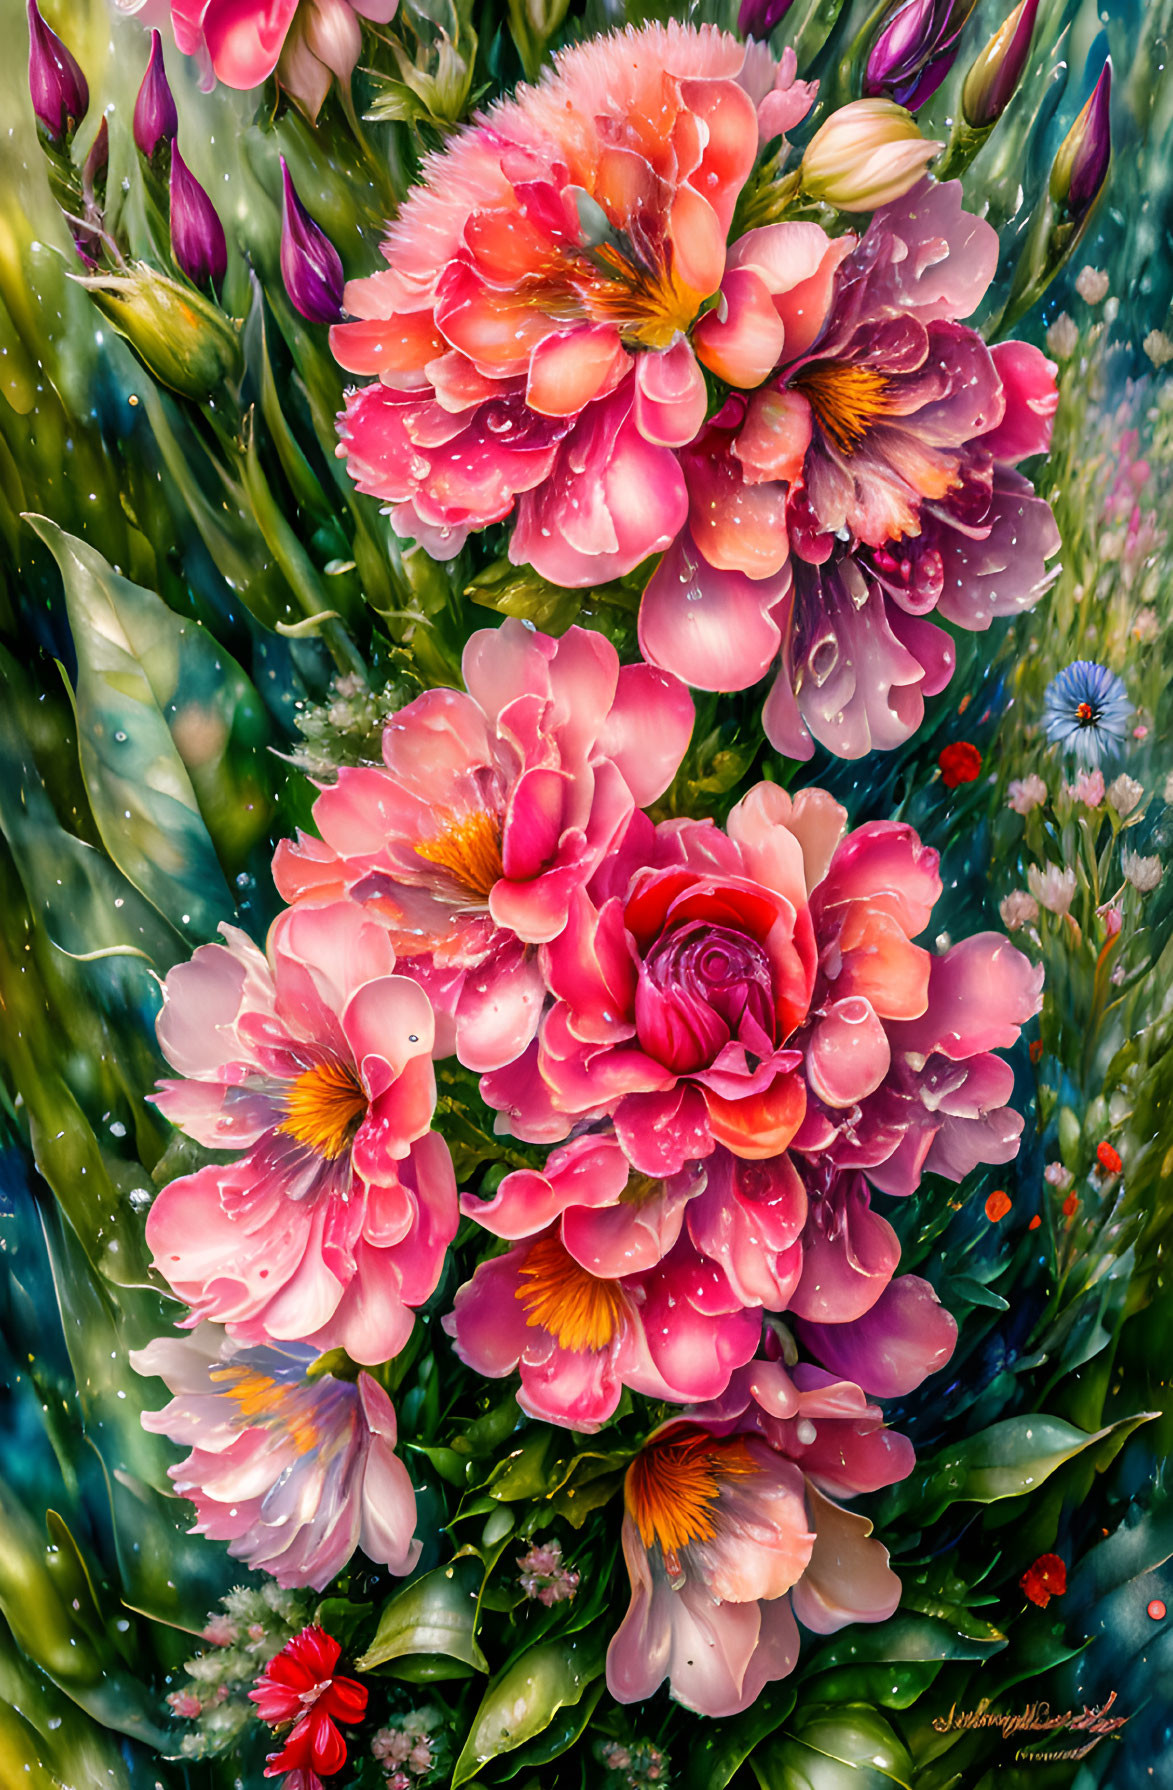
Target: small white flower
[
  {"x": 1055, "y": 1175},
  {"x": 1143, "y": 873},
  {"x": 1063, "y": 337},
  {"x": 1052, "y": 888},
  {"x": 1124, "y": 793},
  {"x": 1158, "y": 347},
  {"x": 1026, "y": 793},
  {"x": 1091, "y": 284},
  {"x": 1018, "y": 909}
]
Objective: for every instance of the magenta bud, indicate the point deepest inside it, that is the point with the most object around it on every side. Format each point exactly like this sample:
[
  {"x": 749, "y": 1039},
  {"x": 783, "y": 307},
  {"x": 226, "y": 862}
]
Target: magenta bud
[
  {"x": 197, "y": 235},
  {"x": 991, "y": 82},
  {"x": 757, "y": 18},
  {"x": 310, "y": 264},
  {"x": 156, "y": 120},
  {"x": 1081, "y": 166},
  {"x": 60, "y": 94},
  {"x": 914, "y": 50}
]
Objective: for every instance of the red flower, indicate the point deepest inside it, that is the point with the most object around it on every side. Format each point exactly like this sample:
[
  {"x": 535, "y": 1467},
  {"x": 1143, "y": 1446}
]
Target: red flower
[
  {"x": 1070, "y": 1206},
  {"x": 997, "y": 1205},
  {"x": 960, "y": 763},
  {"x": 1046, "y": 1579},
  {"x": 1108, "y": 1159},
  {"x": 298, "y": 1687}
]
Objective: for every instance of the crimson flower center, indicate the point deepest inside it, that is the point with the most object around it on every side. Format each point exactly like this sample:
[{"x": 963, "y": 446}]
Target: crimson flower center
[
  {"x": 846, "y": 400},
  {"x": 324, "y": 1108},
  {"x": 581, "y": 1312}
]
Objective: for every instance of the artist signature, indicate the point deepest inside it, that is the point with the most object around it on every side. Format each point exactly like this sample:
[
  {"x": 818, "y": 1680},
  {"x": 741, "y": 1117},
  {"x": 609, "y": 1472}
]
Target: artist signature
[{"x": 1037, "y": 1718}]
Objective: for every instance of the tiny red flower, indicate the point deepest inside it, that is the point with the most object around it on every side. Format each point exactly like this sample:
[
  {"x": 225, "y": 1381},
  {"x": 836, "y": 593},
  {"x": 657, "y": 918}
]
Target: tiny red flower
[
  {"x": 1046, "y": 1579},
  {"x": 1036, "y": 1050},
  {"x": 960, "y": 763},
  {"x": 1070, "y": 1206},
  {"x": 1035, "y": 1222},
  {"x": 298, "y": 1686},
  {"x": 1108, "y": 1159},
  {"x": 997, "y": 1205}
]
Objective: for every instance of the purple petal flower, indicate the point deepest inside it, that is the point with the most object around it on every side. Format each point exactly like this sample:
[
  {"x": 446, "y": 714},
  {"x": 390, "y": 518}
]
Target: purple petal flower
[
  {"x": 59, "y": 90},
  {"x": 310, "y": 264},
  {"x": 996, "y": 72},
  {"x": 757, "y": 18},
  {"x": 915, "y": 50},
  {"x": 197, "y": 235},
  {"x": 156, "y": 120},
  {"x": 1081, "y": 166}
]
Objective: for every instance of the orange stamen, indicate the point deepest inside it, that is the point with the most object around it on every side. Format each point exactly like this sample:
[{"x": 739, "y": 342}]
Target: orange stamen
[
  {"x": 846, "y": 400},
  {"x": 263, "y": 1402},
  {"x": 469, "y": 850},
  {"x": 672, "y": 1486},
  {"x": 580, "y": 1311},
  {"x": 324, "y": 1108}
]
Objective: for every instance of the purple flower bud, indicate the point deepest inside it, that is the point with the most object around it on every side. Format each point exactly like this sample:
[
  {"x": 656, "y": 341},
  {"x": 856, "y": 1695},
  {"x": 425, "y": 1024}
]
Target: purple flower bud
[
  {"x": 991, "y": 81},
  {"x": 915, "y": 50},
  {"x": 61, "y": 97},
  {"x": 757, "y": 18},
  {"x": 197, "y": 235},
  {"x": 1081, "y": 166},
  {"x": 310, "y": 264},
  {"x": 156, "y": 120}
]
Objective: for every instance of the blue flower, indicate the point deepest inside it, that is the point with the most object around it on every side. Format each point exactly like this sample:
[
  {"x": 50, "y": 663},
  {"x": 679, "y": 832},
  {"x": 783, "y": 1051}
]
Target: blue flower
[{"x": 1086, "y": 711}]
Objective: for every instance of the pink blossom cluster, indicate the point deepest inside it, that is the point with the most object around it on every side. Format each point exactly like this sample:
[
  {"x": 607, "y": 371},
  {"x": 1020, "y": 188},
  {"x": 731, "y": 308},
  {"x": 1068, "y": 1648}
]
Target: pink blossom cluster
[
  {"x": 719, "y": 1043},
  {"x": 573, "y": 334}
]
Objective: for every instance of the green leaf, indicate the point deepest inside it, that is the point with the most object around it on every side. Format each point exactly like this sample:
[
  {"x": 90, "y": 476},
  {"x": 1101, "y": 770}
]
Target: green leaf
[
  {"x": 908, "y": 1636},
  {"x": 1004, "y": 1461},
  {"x": 523, "y": 1700},
  {"x": 128, "y": 646},
  {"x": 436, "y": 1614},
  {"x": 848, "y": 1747},
  {"x": 721, "y": 1747},
  {"x": 567, "y": 1727},
  {"x": 81, "y": 899}
]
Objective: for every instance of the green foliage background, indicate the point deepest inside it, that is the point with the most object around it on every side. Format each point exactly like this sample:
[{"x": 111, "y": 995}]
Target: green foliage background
[{"x": 181, "y": 583}]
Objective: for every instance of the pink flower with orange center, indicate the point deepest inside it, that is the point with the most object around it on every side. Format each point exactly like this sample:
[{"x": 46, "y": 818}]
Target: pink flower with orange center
[
  {"x": 314, "y": 1060},
  {"x": 491, "y": 807},
  {"x": 731, "y": 1530},
  {"x": 674, "y": 1333},
  {"x": 554, "y": 284},
  {"x": 869, "y": 481}
]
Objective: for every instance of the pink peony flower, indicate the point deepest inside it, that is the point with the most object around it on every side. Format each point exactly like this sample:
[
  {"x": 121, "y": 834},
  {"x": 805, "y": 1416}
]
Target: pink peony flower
[
  {"x": 730, "y": 1532},
  {"x": 314, "y": 1060},
  {"x": 242, "y": 42},
  {"x": 293, "y": 1473},
  {"x": 539, "y": 330},
  {"x": 679, "y": 980},
  {"x": 674, "y": 1333},
  {"x": 869, "y": 482},
  {"x": 760, "y": 990},
  {"x": 490, "y": 810}
]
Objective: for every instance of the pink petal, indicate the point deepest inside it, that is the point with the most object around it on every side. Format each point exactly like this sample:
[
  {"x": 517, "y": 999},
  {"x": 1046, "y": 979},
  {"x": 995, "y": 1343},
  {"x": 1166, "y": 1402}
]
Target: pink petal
[
  {"x": 743, "y": 343},
  {"x": 670, "y": 395},
  {"x": 714, "y": 629},
  {"x": 1032, "y": 398}
]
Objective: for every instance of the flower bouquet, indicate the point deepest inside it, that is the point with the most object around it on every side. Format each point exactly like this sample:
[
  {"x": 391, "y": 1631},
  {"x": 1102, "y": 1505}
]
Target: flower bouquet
[{"x": 585, "y": 945}]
